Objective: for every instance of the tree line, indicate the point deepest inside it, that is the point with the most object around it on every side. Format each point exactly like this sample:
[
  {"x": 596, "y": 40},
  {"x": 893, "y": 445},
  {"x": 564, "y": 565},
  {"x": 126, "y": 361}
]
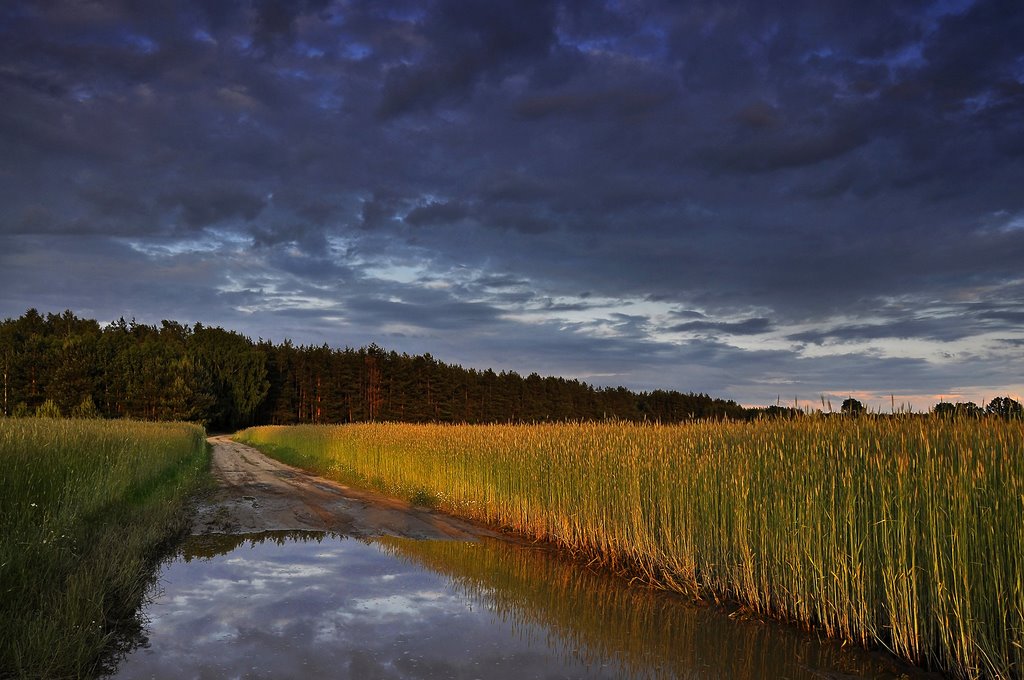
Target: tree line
[{"x": 62, "y": 364}]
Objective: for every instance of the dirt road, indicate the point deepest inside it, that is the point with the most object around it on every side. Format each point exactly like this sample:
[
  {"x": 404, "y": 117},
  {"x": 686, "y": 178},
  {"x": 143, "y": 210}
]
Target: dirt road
[{"x": 256, "y": 493}]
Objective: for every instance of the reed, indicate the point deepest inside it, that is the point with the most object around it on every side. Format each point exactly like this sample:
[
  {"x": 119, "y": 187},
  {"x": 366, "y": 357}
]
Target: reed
[
  {"x": 641, "y": 633},
  {"x": 900, "y": 532},
  {"x": 85, "y": 506}
]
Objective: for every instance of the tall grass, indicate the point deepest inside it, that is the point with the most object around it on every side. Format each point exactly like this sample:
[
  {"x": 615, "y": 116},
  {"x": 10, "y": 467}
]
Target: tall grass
[
  {"x": 641, "y": 633},
  {"x": 85, "y": 506},
  {"x": 901, "y": 532}
]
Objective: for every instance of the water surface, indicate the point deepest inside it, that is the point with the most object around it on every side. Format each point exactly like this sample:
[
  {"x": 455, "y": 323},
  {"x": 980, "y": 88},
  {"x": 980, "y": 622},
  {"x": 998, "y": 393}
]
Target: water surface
[{"x": 304, "y": 604}]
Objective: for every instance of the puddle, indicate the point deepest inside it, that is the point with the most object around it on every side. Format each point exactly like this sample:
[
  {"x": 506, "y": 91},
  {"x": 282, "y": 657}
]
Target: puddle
[{"x": 306, "y": 604}]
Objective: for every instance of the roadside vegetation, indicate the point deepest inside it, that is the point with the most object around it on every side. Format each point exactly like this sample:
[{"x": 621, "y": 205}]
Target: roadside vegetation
[
  {"x": 87, "y": 508},
  {"x": 906, "y": 533},
  {"x": 603, "y": 620}
]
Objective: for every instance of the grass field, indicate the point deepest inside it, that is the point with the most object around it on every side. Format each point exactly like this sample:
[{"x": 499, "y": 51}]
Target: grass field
[
  {"x": 900, "y": 532},
  {"x": 86, "y": 507}
]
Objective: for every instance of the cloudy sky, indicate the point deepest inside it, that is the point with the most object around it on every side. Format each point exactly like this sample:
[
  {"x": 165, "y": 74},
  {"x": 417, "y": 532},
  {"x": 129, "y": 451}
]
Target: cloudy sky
[{"x": 705, "y": 196}]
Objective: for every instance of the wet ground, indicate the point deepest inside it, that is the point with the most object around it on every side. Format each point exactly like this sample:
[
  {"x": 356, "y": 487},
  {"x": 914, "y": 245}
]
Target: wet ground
[
  {"x": 381, "y": 600},
  {"x": 315, "y": 605},
  {"x": 257, "y": 493}
]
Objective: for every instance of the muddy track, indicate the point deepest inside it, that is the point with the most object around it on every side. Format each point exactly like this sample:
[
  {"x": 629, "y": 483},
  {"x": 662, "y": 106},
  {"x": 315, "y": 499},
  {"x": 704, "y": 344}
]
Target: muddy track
[{"x": 256, "y": 493}]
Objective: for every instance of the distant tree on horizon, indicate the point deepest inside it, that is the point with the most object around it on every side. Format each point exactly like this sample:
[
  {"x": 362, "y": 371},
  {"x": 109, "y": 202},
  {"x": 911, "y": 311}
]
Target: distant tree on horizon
[
  {"x": 1005, "y": 407},
  {"x": 966, "y": 409},
  {"x": 851, "y": 407}
]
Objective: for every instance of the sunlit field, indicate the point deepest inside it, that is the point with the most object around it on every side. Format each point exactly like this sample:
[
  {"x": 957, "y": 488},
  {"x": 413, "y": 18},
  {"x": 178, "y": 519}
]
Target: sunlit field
[
  {"x": 904, "y": 533},
  {"x": 85, "y": 506}
]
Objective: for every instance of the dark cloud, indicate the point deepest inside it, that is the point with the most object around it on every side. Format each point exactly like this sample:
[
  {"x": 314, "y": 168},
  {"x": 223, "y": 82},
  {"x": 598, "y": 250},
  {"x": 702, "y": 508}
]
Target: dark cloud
[
  {"x": 436, "y": 213},
  {"x": 274, "y": 20},
  {"x": 206, "y": 205},
  {"x": 379, "y": 211},
  {"x": 616, "y": 102},
  {"x": 304, "y": 234},
  {"x": 759, "y": 115},
  {"x": 790, "y": 148},
  {"x": 645, "y": 193},
  {"x": 903, "y": 329},
  {"x": 756, "y": 326},
  {"x": 1013, "y": 317},
  {"x": 501, "y": 281},
  {"x": 973, "y": 53},
  {"x": 465, "y": 42},
  {"x": 431, "y": 313}
]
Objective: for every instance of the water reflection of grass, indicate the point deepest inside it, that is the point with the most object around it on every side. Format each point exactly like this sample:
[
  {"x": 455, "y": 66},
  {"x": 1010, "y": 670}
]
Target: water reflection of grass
[
  {"x": 86, "y": 508},
  {"x": 903, "y": 532},
  {"x": 209, "y": 546},
  {"x": 597, "y": 618}
]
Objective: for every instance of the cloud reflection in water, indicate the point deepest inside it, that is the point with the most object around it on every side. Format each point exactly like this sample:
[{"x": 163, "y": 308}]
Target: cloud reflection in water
[{"x": 314, "y": 605}]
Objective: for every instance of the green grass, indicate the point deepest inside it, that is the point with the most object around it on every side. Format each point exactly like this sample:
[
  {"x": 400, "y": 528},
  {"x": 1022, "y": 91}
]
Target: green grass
[
  {"x": 905, "y": 533},
  {"x": 86, "y": 508}
]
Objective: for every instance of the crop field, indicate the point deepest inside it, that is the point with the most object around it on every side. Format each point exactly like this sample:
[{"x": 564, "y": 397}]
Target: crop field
[
  {"x": 899, "y": 532},
  {"x": 85, "y": 506}
]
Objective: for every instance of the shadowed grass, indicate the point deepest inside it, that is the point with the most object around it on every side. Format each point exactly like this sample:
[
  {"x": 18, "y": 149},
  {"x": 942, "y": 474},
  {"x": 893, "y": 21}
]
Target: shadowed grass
[
  {"x": 86, "y": 506},
  {"x": 900, "y": 532}
]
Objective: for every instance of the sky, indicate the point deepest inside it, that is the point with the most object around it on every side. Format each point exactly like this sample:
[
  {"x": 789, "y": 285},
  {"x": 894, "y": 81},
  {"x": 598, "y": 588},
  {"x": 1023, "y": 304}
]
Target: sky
[{"x": 762, "y": 204}]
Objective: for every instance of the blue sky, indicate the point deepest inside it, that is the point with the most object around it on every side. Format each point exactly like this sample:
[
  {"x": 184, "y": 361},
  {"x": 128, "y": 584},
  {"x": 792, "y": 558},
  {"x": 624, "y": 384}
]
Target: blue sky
[{"x": 713, "y": 196}]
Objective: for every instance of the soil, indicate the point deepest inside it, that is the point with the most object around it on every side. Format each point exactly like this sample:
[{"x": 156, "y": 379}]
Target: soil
[{"x": 256, "y": 493}]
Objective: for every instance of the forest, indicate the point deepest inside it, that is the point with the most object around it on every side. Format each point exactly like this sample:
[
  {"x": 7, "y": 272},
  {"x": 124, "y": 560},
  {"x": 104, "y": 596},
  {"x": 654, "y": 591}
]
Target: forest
[{"x": 60, "y": 364}]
